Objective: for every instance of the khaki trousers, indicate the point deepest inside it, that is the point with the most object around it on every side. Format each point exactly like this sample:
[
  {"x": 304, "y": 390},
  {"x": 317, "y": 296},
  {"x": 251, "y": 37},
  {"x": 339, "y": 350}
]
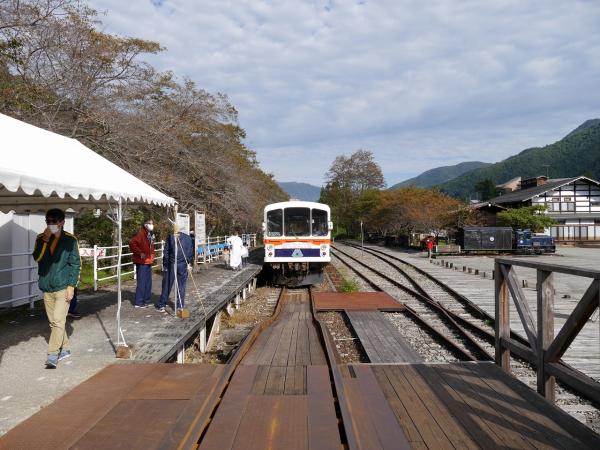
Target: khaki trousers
[{"x": 56, "y": 310}]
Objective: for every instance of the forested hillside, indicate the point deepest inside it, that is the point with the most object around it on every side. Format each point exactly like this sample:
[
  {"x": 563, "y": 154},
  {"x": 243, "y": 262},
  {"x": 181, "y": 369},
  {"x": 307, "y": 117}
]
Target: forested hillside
[
  {"x": 440, "y": 175},
  {"x": 578, "y": 153},
  {"x": 59, "y": 71},
  {"x": 301, "y": 191}
]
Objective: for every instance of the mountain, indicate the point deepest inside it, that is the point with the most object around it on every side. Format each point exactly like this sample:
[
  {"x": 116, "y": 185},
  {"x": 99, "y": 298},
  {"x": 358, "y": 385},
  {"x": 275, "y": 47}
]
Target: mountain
[
  {"x": 578, "y": 153},
  {"x": 301, "y": 191},
  {"x": 440, "y": 174}
]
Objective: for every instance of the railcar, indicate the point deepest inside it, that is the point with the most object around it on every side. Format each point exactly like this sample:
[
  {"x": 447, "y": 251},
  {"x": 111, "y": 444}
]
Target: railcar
[
  {"x": 503, "y": 239},
  {"x": 297, "y": 238}
]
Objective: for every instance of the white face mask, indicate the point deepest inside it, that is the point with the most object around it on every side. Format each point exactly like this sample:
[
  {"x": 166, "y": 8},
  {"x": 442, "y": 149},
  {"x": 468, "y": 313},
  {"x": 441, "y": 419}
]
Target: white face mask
[
  {"x": 149, "y": 226},
  {"x": 53, "y": 228}
]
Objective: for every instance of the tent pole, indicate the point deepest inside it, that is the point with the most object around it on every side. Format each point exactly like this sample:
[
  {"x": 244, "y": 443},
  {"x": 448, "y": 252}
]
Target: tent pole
[
  {"x": 119, "y": 256},
  {"x": 175, "y": 259}
]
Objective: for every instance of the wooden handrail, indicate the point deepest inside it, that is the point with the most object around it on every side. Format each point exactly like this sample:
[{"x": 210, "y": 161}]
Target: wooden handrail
[{"x": 545, "y": 350}]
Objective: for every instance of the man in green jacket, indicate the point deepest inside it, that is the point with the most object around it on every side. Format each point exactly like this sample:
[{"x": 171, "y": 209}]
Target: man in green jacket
[{"x": 57, "y": 255}]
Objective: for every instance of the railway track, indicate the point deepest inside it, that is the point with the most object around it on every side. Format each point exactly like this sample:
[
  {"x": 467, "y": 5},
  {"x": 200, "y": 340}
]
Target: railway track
[
  {"x": 283, "y": 350},
  {"x": 449, "y": 327},
  {"x": 478, "y": 323}
]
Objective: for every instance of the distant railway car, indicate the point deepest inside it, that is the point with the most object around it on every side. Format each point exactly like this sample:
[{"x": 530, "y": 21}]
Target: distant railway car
[
  {"x": 503, "y": 239},
  {"x": 297, "y": 238}
]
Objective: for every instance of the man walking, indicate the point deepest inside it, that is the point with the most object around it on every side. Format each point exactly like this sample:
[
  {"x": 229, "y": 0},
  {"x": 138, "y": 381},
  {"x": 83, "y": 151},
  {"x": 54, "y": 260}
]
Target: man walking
[
  {"x": 142, "y": 248},
  {"x": 185, "y": 255},
  {"x": 57, "y": 255}
]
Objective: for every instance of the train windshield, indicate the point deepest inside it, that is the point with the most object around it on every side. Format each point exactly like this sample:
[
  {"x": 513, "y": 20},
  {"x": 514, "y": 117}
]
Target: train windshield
[
  {"x": 297, "y": 222},
  {"x": 275, "y": 223},
  {"x": 319, "y": 222}
]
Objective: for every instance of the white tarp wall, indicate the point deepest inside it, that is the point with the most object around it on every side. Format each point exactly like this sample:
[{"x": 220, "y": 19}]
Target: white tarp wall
[{"x": 17, "y": 236}]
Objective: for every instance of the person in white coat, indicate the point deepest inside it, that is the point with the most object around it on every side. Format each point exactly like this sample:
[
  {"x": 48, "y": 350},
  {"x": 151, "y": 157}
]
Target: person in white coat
[{"x": 236, "y": 247}]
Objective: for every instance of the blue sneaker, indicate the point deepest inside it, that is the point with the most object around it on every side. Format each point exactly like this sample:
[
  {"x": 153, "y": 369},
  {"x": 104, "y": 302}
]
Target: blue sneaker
[
  {"x": 64, "y": 354},
  {"x": 52, "y": 361}
]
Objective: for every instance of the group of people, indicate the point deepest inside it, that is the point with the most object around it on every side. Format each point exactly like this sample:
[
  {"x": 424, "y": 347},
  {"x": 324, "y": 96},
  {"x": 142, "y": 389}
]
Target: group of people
[{"x": 56, "y": 252}]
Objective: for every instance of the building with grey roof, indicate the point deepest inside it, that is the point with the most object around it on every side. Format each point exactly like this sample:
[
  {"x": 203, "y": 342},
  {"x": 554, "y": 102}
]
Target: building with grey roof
[{"x": 573, "y": 202}]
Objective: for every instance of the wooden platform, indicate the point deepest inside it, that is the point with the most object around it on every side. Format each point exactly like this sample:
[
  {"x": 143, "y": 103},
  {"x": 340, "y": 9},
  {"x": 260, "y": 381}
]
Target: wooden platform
[
  {"x": 380, "y": 339},
  {"x": 125, "y": 406},
  {"x": 356, "y": 301},
  {"x": 461, "y": 405}
]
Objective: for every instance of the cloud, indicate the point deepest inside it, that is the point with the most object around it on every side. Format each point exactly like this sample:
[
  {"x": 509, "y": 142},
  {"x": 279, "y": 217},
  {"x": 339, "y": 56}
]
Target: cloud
[{"x": 420, "y": 84}]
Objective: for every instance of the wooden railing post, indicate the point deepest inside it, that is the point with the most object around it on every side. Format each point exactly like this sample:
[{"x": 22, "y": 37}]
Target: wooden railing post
[
  {"x": 545, "y": 331},
  {"x": 502, "y": 325}
]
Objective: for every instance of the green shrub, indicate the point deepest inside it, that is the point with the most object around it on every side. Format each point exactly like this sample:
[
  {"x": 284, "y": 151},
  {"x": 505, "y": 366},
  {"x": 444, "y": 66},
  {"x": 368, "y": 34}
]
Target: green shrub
[{"x": 349, "y": 286}]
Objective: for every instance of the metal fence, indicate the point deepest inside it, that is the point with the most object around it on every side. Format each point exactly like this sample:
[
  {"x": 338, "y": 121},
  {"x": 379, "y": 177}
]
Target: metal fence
[
  {"x": 212, "y": 248},
  {"x": 29, "y": 273},
  {"x": 105, "y": 259}
]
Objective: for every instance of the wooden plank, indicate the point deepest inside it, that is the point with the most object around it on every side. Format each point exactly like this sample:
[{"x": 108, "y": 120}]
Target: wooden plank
[
  {"x": 478, "y": 430},
  {"x": 275, "y": 381},
  {"x": 317, "y": 355},
  {"x": 273, "y": 422},
  {"x": 357, "y": 301},
  {"x": 323, "y": 431},
  {"x": 452, "y": 429},
  {"x": 567, "y": 431},
  {"x": 546, "y": 384},
  {"x": 283, "y": 347},
  {"x": 222, "y": 431},
  {"x": 253, "y": 356},
  {"x": 302, "y": 345},
  {"x": 411, "y": 431},
  {"x": 260, "y": 380},
  {"x": 370, "y": 345},
  {"x": 132, "y": 424},
  {"x": 91, "y": 399},
  {"x": 364, "y": 429},
  {"x": 502, "y": 315},
  {"x": 431, "y": 433},
  {"x": 407, "y": 352},
  {"x": 521, "y": 304},
  {"x": 574, "y": 324},
  {"x": 388, "y": 429},
  {"x": 293, "y": 344},
  {"x": 577, "y": 271},
  {"x": 485, "y": 403},
  {"x": 294, "y": 383},
  {"x": 172, "y": 381}
]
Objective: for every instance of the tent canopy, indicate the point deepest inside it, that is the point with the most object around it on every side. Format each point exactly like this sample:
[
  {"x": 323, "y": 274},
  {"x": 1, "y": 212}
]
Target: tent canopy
[{"x": 40, "y": 170}]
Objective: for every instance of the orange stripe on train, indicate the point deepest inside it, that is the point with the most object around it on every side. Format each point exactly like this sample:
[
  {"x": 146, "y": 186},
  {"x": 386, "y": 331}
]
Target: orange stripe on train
[{"x": 291, "y": 240}]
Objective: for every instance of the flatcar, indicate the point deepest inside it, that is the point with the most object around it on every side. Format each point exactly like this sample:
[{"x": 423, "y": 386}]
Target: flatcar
[{"x": 297, "y": 238}]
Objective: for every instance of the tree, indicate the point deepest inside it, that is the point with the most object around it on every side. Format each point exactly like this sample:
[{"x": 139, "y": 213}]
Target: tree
[
  {"x": 528, "y": 217},
  {"x": 486, "y": 189},
  {"x": 348, "y": 179}
]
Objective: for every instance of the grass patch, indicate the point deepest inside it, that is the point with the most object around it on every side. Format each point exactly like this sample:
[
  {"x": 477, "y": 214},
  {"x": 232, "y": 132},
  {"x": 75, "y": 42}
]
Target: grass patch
[
  {"x": 239, "y": 318},
  {"x": 349, "y": 285}
]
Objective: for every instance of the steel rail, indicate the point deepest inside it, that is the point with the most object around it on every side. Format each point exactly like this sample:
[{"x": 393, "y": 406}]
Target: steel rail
[
  {"x": 347, "y": 422},
  {"x": 479, "y": 313},
  {"x": 436, "y": 306}
]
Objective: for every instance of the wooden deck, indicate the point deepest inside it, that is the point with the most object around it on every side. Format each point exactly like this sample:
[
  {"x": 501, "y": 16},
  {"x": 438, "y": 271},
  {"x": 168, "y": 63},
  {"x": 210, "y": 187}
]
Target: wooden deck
[
  {"x": 461, "y": 405},
  {"x": 356, "y": 301},
  {"x": 380, "y": 339},
  {"x": 282, "y": 396}
]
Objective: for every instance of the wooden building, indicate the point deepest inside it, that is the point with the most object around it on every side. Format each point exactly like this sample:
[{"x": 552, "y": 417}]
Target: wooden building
[{"x": 573, "y": 202}]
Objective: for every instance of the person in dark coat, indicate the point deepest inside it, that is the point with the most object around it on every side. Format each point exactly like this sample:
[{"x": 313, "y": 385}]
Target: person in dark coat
[
  {"x": 142, "y": 247},
  {"x": 185, "y": 255}
]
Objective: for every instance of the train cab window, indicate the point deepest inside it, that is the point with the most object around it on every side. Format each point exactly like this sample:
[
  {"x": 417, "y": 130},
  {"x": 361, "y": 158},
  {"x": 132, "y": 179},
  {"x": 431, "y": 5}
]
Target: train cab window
[
  {"x": 297, "y": 222},
  {"x": 319, "y": 222},
  {"x": 275, "y": 223},
  {"x": 527, "y": 235}
]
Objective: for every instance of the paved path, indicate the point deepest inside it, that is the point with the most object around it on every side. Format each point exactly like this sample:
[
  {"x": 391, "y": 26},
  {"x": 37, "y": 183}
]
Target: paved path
[{"x": 26, "y": 385}]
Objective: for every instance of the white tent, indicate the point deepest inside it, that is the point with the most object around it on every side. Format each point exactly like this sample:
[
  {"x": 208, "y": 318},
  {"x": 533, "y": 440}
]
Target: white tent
[{"x": 41, "y": 170}]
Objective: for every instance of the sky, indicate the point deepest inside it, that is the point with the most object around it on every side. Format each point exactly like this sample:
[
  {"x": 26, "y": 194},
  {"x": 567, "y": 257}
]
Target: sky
[{"x": 421, "y": 84}]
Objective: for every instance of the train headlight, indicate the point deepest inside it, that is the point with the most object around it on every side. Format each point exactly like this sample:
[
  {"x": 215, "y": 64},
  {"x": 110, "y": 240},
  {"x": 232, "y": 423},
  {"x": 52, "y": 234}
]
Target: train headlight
[
  {"x": 324, "y": 247},
  {"x": 269, "y": 247}
]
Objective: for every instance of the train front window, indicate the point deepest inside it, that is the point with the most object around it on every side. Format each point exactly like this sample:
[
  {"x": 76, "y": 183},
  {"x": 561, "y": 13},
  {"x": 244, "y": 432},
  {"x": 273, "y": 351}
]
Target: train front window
[
  {"x": 319, "y": 222},
  {"x": 275, "y": 223},
  {"x": 297, "y": 222}
]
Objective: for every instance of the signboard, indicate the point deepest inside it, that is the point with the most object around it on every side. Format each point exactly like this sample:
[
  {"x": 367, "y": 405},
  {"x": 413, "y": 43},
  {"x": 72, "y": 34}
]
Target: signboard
[
  {"x": 199, "y": 231},
  {"x": 183, "y": 221}
]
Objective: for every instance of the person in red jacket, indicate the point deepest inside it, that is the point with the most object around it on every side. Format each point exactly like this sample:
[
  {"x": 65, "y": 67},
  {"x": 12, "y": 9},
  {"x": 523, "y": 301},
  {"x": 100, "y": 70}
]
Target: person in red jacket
[
  {"x": 142, "y": 248},
  {"x": 429, "y": 246}
]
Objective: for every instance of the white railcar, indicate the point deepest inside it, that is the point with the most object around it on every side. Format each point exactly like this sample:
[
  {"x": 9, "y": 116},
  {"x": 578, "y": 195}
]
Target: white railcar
[{"x": 297, "y": 238}]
